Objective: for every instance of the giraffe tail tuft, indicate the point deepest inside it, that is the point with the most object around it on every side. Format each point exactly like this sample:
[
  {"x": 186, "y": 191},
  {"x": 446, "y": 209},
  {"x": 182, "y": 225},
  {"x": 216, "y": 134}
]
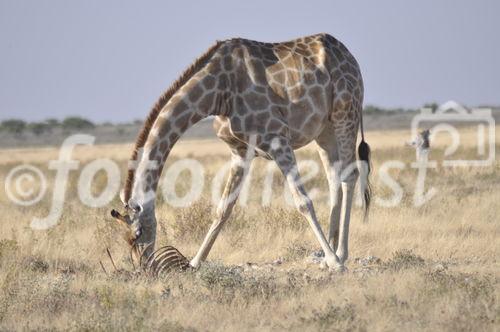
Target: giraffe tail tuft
[{"x": 364, "y": 156}]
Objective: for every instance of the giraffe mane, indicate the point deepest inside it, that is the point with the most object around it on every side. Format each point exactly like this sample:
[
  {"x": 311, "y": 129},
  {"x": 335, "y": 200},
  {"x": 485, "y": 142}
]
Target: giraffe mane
[{"x": 158, "y": 106}]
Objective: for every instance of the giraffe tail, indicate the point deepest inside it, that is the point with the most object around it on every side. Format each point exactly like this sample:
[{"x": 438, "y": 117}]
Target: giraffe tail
[{"x": 364, "y": 156}]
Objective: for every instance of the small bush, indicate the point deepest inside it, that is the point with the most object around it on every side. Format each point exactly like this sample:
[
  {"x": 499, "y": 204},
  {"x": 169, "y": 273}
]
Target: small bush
[
  {"x": 296, "y": 251},
  {"x": 192, "y": 223},
  {"x": 471, "y": 285},
  {"x": 8, "y": 248},
  {"x": 404, "y": 259},
  {"x": 213, "y": 274},
  {"x": 283, "y": 218},
  {"x": 36, "y": 264},
  {"x": 335, "y": 318}
]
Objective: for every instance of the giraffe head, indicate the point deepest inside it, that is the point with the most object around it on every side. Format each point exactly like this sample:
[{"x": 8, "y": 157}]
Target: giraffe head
[
  {"x": 134, "y": 230},
  {"x": 425, "y": 134},
  {"x": 424, "y": 138},
  {"x": 132, "y": 219}
]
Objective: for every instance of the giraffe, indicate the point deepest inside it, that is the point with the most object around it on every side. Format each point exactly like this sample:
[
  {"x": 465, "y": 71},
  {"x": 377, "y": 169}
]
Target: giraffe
[
  {"x": 283, "y": 96},
  {"x": 421, "y": 143}
]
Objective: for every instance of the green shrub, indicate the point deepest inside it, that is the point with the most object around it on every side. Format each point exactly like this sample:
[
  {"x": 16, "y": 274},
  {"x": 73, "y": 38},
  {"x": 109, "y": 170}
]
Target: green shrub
[
  {"x": 39, "y": 128},
  {"x": 77, "y": 123},
  {"x": 14, "y": 126}
]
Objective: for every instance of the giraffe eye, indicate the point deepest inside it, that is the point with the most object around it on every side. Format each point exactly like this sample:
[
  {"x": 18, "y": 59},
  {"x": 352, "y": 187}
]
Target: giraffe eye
[
  {"x": 134, "y": 206},
  {"x": 137, "y": 208}
]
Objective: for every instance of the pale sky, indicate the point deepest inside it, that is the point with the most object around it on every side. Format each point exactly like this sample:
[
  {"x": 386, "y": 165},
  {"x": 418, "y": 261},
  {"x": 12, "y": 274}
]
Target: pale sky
[{"x": 110, "y": 60}]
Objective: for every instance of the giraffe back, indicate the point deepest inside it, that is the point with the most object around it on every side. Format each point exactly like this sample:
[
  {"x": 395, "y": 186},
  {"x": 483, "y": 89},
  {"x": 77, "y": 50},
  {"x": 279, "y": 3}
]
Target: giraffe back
[{"x": 288, "y": 89}]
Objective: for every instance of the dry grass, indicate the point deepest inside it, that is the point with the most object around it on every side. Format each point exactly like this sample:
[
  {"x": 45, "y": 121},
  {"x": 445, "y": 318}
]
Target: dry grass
[{"x": 438, "y": 265}]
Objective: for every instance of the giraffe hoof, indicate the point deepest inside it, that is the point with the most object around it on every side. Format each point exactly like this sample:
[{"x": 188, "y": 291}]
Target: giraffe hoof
[
  {"x": 338, "y": 269},
  {"x": 332, "y": 265},
  {"x": 194, "y": 264}
]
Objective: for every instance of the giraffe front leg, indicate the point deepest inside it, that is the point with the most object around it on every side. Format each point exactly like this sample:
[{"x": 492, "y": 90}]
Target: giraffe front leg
[{"x": 225, "y": 207}]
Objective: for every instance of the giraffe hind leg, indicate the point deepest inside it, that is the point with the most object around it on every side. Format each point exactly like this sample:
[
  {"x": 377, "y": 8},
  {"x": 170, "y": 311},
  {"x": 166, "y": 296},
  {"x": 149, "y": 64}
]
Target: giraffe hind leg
[
  {"x": 346, "y": 136},
  {"x": 328, "y": 152},
  {"x": 285, "y": 159}
]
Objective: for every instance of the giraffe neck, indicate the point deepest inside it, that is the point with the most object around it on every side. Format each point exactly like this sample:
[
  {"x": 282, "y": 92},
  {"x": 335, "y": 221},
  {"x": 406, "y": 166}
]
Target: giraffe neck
[{"x": 194, "y": 101}]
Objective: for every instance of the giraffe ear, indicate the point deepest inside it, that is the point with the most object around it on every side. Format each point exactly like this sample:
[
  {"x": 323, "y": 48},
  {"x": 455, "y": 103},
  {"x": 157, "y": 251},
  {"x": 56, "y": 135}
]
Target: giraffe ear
[{"x": 122, "y": 198}]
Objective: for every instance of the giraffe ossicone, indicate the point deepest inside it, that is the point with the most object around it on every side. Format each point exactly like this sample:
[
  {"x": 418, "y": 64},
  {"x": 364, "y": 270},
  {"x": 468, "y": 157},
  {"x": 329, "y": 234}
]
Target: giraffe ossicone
[{"x": 285, "y": 95}]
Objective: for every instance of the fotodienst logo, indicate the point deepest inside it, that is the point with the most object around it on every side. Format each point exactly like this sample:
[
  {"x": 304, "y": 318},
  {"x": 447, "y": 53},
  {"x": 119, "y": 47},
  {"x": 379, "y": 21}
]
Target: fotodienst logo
[
  {"x": 447, "y": 118},
  {"x": 26, "y": 185}
]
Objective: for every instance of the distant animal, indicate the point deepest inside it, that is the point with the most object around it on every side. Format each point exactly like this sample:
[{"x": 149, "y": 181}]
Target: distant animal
[
  {"x": 422, "y": 145},
  {"x": 280, "y": 95}
]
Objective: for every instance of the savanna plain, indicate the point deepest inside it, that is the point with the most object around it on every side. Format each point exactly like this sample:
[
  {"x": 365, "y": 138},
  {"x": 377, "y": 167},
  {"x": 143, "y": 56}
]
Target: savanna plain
[{"x": 431, "y": 267}]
